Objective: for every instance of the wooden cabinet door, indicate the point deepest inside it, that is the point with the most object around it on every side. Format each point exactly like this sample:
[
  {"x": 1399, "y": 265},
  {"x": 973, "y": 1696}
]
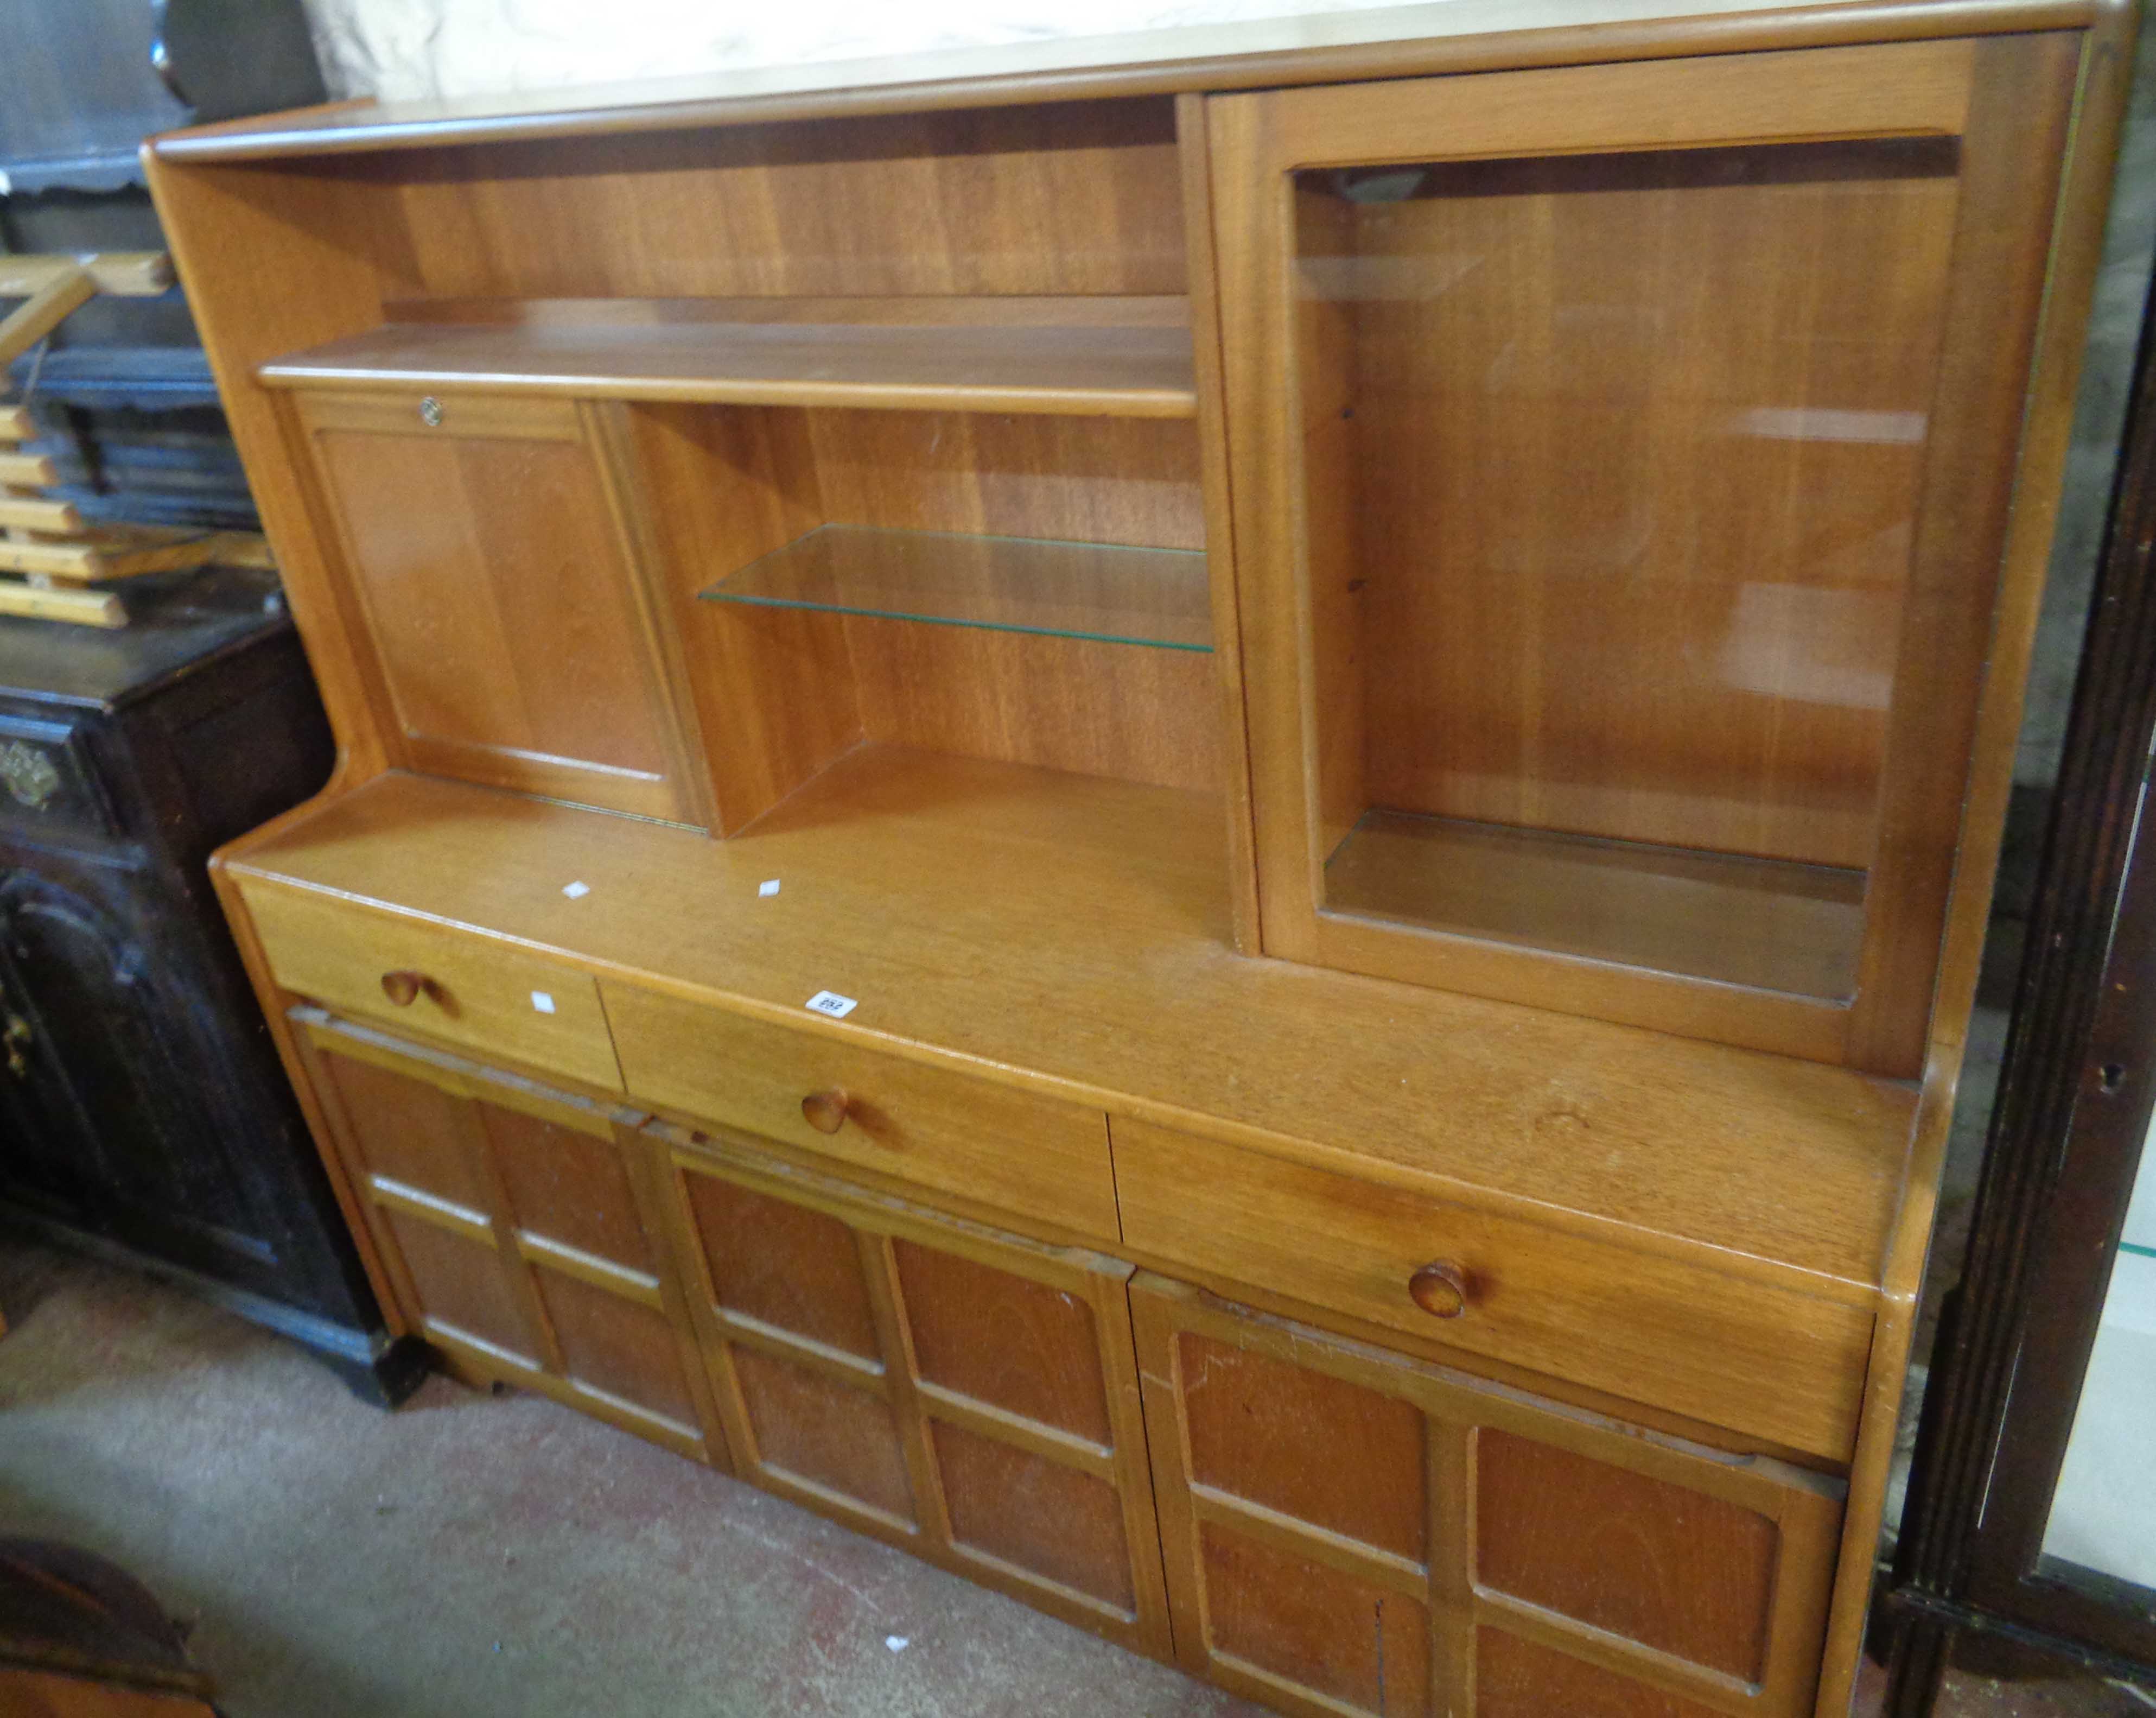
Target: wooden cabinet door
[
  {"x": 518, "y": 644},
  {"x": 515, "y": 1225},
  {"x": 117, "y": 1111},
  {"x": 1349, "y": 1531},
  {"x": 967, "y": 1395},
  {"x": 1623, "y": 462}
]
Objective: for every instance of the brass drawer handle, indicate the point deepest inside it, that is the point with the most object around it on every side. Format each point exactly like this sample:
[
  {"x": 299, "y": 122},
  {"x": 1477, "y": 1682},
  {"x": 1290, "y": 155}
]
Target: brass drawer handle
[
  {"x": 826, "y": 1111},
  {"x": 404, "y": 988},
  {"x": 1439, "y": 1288}
]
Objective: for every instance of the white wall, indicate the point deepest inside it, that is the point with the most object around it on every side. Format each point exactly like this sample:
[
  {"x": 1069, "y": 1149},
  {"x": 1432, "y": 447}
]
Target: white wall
[
  {"x": 401, "y": 49},
  {"x": 2103, "y": 1514}
]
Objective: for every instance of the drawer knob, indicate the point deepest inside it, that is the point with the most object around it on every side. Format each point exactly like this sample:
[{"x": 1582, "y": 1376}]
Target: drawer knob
[
  {"x": 1439, "y": 1288},
  {"x": 826, "y": 1111},
  {"x": 403, "y": 988}
]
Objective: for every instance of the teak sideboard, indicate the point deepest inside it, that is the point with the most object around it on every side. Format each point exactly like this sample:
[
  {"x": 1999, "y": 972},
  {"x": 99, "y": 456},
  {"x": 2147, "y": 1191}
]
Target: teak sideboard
[{"x": 1202, "y": 821}]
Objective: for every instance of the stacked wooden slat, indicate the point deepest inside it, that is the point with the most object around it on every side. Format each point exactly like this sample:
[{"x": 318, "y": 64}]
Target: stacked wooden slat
[{"x": 58, "y": 557}]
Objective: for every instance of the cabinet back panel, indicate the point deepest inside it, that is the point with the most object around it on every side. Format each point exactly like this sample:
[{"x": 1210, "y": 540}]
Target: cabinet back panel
[
  {"x": 1081, "y": 480},
  {"x": 1061, "y": 703},
  {"x": 1639, "y": 441},
  {"x": 1075, "y": 198}
]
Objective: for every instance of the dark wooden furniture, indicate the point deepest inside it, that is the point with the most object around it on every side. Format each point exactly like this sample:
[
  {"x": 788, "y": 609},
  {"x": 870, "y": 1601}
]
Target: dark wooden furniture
[
  {"x": 81, "y": 1638},
  {"x": 2067, "y": 1138},
  {"x": 140, "y": 1104},
  {"x": 1203, "y": 820}
]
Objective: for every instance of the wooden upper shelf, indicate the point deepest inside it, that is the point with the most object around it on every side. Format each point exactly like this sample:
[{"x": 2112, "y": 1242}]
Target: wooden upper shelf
[{"x": 1115, "y": 358}]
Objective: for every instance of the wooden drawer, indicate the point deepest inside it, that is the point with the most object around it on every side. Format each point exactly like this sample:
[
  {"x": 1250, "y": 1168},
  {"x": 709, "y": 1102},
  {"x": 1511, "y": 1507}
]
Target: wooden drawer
[
  {"x": 1028, "y": 1156},
  {"x": 472, "y": 991},
  {"x": 1730, "y": 1351},
  {"x": 49, "y": 778}
]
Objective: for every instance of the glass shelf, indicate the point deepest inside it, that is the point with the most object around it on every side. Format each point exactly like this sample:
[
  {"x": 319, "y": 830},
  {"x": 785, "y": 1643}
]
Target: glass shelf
[
  {"x": 1089, "y": 590},
  {"x": 1768, "y": 923}
]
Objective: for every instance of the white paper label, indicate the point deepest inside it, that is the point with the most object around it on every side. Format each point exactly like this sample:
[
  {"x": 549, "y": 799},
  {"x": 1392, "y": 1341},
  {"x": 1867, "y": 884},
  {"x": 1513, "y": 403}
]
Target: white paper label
[
  {"x": 831, "y": 1003},
  {"x": 576, "y": 891},
  {"x": 767, "y": 888},
  {"x": 542, "y": 1001}
]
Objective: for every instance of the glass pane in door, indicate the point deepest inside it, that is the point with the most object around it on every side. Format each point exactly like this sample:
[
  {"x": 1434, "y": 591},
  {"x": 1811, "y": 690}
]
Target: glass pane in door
[{"x": 1611, "y": 470}]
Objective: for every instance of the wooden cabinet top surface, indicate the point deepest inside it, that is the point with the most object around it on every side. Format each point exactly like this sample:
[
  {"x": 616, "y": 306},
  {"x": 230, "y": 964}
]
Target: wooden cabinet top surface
[
  {"x": 1381, "y": 41},
  {"x": 1069, "y": 934}
]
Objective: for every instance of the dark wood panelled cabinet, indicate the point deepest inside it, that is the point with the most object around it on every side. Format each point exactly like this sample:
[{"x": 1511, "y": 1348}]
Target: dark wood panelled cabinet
[{"x": 142, "y": 1108}]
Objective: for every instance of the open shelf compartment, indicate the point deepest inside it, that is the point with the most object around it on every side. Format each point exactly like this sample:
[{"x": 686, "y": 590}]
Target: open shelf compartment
[
  {"x": 1101, "y": 591},
  {"x": 1768, "y": 923}
]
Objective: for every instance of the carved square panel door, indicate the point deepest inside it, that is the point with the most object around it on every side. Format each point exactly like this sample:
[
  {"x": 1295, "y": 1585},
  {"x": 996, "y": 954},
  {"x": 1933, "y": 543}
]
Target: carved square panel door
[
  {"x": 1348, "y": 1530},
  {"x": 969, "y": 1394}
]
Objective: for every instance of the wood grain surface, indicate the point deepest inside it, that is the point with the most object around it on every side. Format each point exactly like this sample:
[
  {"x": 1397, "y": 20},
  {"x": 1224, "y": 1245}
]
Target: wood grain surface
[
  {"x": 1139, "y": 372},
  {"x": 1126, "y": 994},
  {"x": 1032, "y": 1156},
  {"x": 476, "y": 994},
  {"x": 1347, "y": 1530},
  {"x": 962, "y": 1392},
  {"x": 489, "y": 528},
  {"x": 1755, "y": 1357}
]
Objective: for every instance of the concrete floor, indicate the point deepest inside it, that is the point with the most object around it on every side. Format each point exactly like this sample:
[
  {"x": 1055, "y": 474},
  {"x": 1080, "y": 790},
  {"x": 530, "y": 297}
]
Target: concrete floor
[{"x": 471, "y": 1555}]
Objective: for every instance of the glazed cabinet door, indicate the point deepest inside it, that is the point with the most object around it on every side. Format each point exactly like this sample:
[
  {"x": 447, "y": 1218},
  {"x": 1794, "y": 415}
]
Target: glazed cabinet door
[
  {"x": 1622, "y": 461},
  {"x": 968, "y": 1395},
  {"x": 518, "y": 643},
  {"x": 1349, "y": 1531},
  {"x": 516, "y": 1226}
]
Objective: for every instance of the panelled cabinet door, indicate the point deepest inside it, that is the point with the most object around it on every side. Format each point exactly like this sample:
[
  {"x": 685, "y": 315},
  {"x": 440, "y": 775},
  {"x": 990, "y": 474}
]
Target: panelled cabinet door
[
  {"x": 1623, "y": 458},
  {"x": 1349, "y": 1531},
  {"x": 968, "y": 1395},
  {"x": 518, "y": 641},
  {"x": 511, "y": 1222},
  {"x": 113, "y": 1106}
]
